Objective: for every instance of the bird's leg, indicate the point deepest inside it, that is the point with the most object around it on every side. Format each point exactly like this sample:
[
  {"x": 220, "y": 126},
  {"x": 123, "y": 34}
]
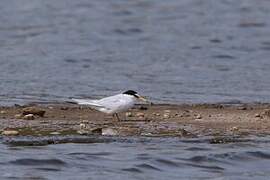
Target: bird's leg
[{"x": 117, "y": 116}]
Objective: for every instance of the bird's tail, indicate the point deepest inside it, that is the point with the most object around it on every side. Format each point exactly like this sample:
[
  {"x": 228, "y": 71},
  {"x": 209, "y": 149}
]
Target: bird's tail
[{"x": 85, "y": 102}]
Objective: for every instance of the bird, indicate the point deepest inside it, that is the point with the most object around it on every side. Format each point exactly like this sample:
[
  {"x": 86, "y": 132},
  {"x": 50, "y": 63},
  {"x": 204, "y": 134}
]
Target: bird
[{"x": 113, "y": 104}]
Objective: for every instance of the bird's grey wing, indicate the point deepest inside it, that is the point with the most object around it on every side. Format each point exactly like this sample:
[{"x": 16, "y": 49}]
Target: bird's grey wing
[
  {"x": 111, "y": 102},
  {"x": 88, "y": 102}
]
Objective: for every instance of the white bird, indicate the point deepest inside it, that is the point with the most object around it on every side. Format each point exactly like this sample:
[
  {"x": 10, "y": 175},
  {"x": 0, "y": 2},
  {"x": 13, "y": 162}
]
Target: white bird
[{"x": 113, "y": 104}]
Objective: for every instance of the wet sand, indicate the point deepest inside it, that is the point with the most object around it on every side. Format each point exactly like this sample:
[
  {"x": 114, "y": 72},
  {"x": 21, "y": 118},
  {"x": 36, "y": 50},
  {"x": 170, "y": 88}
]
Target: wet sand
[{"x": 143, "y": 120}]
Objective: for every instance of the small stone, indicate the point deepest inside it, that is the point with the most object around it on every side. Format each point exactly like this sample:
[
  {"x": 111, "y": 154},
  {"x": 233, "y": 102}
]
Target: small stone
[
  {"x": 96, "y": 130},
  {"x": 242, "y": 108},
  {"x": 10, "y": 132},
  {"x": 166, "y": 116},
  {"x": 156, "y": 114},
  {"x": 143, "y": 108},
  {"x": 266, "y": 112},
  {"x": 128, "y": 114},
  {"x": 257, "y": 115},
  {"x": 82, "y": 126},
  {"x": 82, "y": 132},
  {"x": 140, "y": 114},
  {"x": 235, "y": 128},
  {"x": 146, "y": 134},
  {"x": 55, "y": 133},
  {"x": 185, "y": 115},
  {"x": 18, "y": 116},
  {"x": 29, "y": 117},
  {"x": 109, "y": 132},
  {"x": 85, "y": 121},
  {"x": 198, "y": 116},
  {"x": 3, "y": 112},
  {"x": 64, "y": 108},
  {"x": 167, "y": 111},
  {"x": 34, "y": 111}
]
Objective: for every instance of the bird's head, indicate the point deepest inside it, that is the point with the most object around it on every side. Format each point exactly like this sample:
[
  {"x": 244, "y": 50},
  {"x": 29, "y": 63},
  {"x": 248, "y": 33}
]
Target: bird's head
[{"x": 136, "y": 95}]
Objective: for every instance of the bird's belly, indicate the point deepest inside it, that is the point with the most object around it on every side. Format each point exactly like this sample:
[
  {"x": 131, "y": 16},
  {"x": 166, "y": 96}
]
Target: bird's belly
[
  {"x": 124, "y": 107},
  {"x": 104, "y": 110}
]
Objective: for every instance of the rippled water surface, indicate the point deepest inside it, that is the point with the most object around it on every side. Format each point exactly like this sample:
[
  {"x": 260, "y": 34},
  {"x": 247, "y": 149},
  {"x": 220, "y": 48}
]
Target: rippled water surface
[
  {"x": 171, "y": 51},
  {"x": 151, "y": 159}
]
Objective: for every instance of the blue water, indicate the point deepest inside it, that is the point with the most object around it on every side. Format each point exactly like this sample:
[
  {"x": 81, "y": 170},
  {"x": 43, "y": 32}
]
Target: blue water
[
  {"x": 139, "y": 159},
  {"x": 188, "y": 51}
]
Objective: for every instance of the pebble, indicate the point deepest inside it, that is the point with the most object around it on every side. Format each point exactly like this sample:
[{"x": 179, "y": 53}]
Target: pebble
[
  {"x": 18, "y": 116},
  {"x": 82, "y": 132},
  {"x": 34, "y": 111},
  {"x": 198, "y": 116},
  {"x": 257, "y": 115},
  {"x": 128, "y": 114},
  {"x": 29, "y": 117},
  {"x": 82, "y": 126},
  {"x": 166, "y": 116},
  {"x": 10, "y": 132},
  {"x": 235, "y": 128},
  {"x": 156, "y": 114},
  {"x": 109, "y": 132},
  {"x": 3, "y": 112},
  {"x": 64, "y": 108},
  {"x": 143, "y": 108},
  {"x": 85, "y": 121},
  {"x": 185, "y": 115},
  {"x": 242, "y": 108},
  {"x": 266, "y": 112},
  {"x": 96, "y": 130},
  {"x": 167, "y": 111},
  {"x": 146, "y": 134},
  {"x": 140, "y": 114},
  {"x": 55, "y": 133}
]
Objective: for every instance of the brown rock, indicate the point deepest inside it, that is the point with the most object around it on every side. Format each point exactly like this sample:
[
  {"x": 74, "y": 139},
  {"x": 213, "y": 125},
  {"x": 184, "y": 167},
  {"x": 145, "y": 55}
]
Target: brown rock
[
  {"x": 64, "y": 108},
  {"x": 34, "y": 111},
  {"x": 156, "y": 114},
  {"x": 3, "y": 112},
  {"x": 29, "y": 117},
  {"x": 198, "y": 116},
  {"x": 143, "y": 108},
  {"x": 109, "y": 132},
  {"x": 234, "y": 128},
  {"x": 167, "y": 111},
  {"x": 18, "y": 116},
  {"x": 128, "y": 114},
  {"x": 166, "y": 116},
  {"x": 242, "y": 108},
  {"x": 10, "y": 132},
  {"x": 140, "y": 114},
  {"x": 55, "y": 133},
  {"x": 82, "y": 132},
  {"x": 266, "y": 112},
  {"x": 96, "y": 130},
  {"x": 82, "y": 126}
]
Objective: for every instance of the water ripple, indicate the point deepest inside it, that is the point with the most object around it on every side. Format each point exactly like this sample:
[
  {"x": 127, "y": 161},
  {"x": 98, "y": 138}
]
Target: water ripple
[{"x": 34, "y": 162}]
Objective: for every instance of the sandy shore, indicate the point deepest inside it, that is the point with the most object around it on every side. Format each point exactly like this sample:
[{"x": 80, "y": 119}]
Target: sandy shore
[{"x": 143, "y": 120}]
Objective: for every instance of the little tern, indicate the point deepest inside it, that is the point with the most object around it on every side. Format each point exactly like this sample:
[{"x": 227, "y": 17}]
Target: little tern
[{"x": 113, "y": 104}]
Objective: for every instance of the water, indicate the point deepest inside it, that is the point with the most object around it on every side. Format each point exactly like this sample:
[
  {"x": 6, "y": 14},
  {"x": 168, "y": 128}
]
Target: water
[
  {"x": 185, "y": 51},
  {"x": 188, "y": 51},
  {"x": 139, "y": 159}
]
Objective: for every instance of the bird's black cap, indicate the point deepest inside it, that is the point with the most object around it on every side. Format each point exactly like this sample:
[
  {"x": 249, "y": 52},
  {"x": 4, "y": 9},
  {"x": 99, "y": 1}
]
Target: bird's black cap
[{"x": 131, "y": 92}]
